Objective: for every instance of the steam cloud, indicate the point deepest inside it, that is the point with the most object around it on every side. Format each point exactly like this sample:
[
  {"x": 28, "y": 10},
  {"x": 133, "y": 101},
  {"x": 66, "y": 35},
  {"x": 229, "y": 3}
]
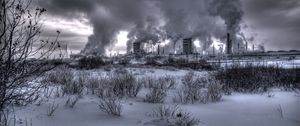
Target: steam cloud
[{"x": 151, "y": 20}]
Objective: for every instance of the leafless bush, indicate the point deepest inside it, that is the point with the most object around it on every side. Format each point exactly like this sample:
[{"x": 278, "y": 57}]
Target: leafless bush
[
  {"x": 214, "y": 90},
  {"x": 115, "y": 84},
  {"x": 52, "y": 108},
  {"x": 92, "y": 84},
  {"x": 74, "y": 88},
  {"x": 164, "y": 112},
  {"x": 39, "y": 102},
  {"x": 111, "y": 106},
  {"x": 104, "y": 89},
  {"x": 6, "y": 119},
  {"x": 257, "y": 78},
  {"x": 61, "y": 75},
  {"x": 169, "y": 81},
  {"x": 71, "y": 101},
  {"x": 82, "y": 77},
  {"x": 198, "y": 89},
  {"x": 148, "y": 81},
  {"x": 190, "y": 91},
  {"x": 124, "y": 85},
  {"x": 158, "y": 92},
  {"x": 175, "y": 116},
  {"x": 280, "y": 111}
]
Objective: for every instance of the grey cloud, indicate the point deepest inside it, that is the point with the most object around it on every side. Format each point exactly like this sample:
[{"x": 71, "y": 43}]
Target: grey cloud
[
  {"x": 277, "y": 21},
  {"x": 151, "y": 20}
]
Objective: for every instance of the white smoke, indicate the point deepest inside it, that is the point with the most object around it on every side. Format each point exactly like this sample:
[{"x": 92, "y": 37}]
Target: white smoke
[{"x": 152, "y": 20}]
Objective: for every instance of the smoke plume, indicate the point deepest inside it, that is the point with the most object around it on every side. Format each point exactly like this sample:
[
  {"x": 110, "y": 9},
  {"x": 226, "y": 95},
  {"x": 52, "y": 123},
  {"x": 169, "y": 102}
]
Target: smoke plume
[{"x": 151, "y": 20}]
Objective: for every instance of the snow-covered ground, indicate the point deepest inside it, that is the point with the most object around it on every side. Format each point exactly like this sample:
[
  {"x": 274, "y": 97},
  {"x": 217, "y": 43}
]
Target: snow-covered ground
[{"x": 282, "y": 109}]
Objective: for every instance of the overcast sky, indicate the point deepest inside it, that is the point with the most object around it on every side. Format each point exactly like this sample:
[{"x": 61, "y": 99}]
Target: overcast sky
[{"x": 273, "y": 23}]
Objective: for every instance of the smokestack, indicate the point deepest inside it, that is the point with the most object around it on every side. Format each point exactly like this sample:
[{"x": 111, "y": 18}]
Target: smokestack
[
  {"x": 229, "y": 44},
  {"x": 158, "y": 50},
  {"x": 246, "y": 46}
]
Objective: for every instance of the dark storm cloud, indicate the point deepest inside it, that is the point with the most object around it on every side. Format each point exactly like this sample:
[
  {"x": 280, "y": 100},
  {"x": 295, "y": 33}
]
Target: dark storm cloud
[
  {"x": 150, "y": 20},
  {"x": 278, "y": 21}
]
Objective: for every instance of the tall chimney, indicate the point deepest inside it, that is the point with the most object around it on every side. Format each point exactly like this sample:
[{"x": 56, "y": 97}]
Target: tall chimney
[
  {"x": 246, "y": 46},
  {"x": 229, "y": 44},
  {"x": 158, "y": 50}
]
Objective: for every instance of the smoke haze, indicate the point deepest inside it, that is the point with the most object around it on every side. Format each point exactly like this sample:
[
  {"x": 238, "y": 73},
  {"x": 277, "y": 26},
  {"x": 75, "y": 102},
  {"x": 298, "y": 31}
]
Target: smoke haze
[{"x": 151, "y": 20}]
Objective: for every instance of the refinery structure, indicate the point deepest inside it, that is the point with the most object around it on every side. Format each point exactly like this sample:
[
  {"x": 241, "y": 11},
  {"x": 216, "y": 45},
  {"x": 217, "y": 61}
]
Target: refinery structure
[{"x": 230, "y": 50}]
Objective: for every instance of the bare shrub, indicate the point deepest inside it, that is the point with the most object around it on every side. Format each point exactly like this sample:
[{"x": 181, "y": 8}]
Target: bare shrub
[
  {"x": 214, "y": 90},
  {"x": 169, "y": 81},
  {"x": 6, "y": 119},
  {"x": 115, "y": 84},
  {"x": 52, "y": 108},
  {"x": 175, "y": 116},
  {"x": 73, "y": 88},
  {"x": 198, "y": 89},
  {"x": 71, "y": 101},
  {"x": 148, "y": 82},
  {"x": 164, "y": 112},
  {"x": 92, "y": 84},
  {"x": 104, "y": 88},
  {"x": 111, "y": 106},
  {"x": 90, "y": 62},
  {"x": 190, "y": 91},
  {"x": 158, "y": 92},
  {"x": 124, "y": 85},
  {"x": 61, "y": 75},
  {"x": 135, "y": 89},
  {"x": 257, "y": 78},
  {"x": 82, "y": 77}
]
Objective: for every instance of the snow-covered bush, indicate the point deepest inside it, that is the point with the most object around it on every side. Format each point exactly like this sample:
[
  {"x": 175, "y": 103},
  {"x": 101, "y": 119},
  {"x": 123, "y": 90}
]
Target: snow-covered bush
[
  {"x": 164, "y": 112},
  {"x": 198, "y": 89},
  {"x": 52, "y": 108},
  {"x": 169, "y": 81},
  {"x": 73, "y": 87},
  {"x": 158, "y": 92},
  {"x": 61, "y": 75},
  {"x": 175, "y": 116},
  {"x": 148, "y": 81},
  {"x": 92, "y": 84},
  {"x": 190, "y": 91},
  {"x": 104, "y": 89},
  {"x": 82, "y": 77},
  {"x": 124, "y": 84},
  {"x": 111, "y": 106},
  {"x": 119, "y": 84},
  {"x": 214, "y": 90},
  {"x": 257, "y": 78},
  {"x": 71, "y": 101}
]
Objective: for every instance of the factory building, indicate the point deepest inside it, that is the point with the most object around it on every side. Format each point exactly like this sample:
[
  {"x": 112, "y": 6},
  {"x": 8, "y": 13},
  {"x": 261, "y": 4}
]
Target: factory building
[
  {"x": 187, "y": 45},
  {"x": 137, "y": 48}
]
